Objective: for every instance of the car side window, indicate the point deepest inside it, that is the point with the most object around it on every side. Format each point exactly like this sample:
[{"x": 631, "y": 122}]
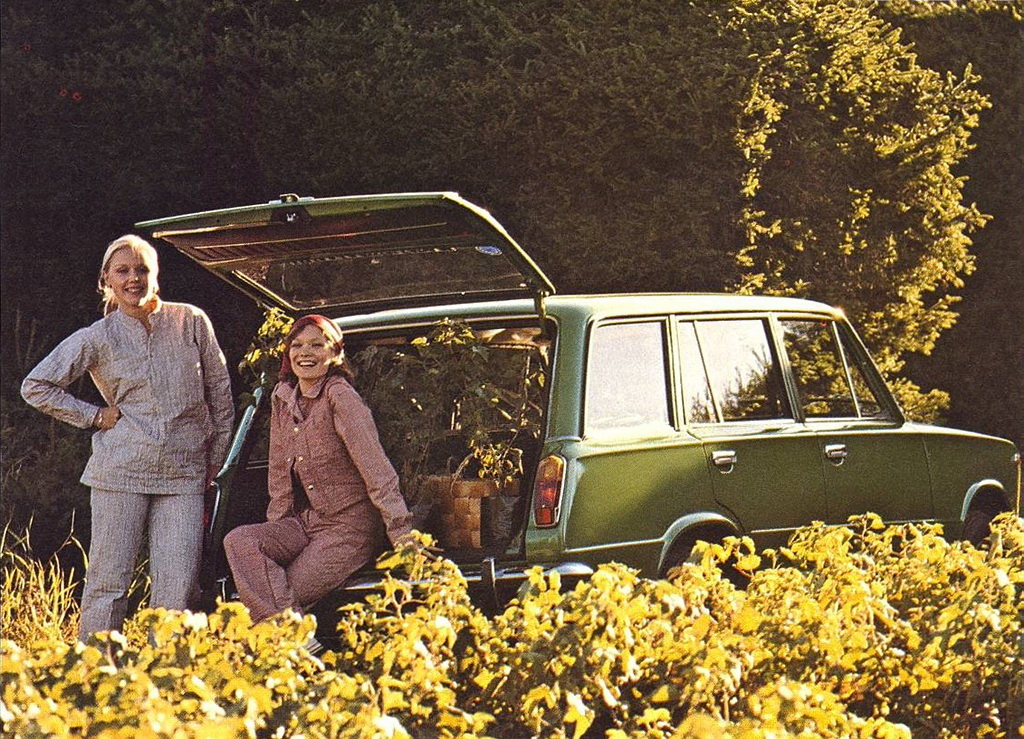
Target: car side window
[
  {"x": 822, "y": 381},
  {"x": 627, "y": 377},
  {"x": 742, "y": 370},
  {"x": 869, "y": 405},
  {"x": 699, "y": 405},
  {"x": 828, "y": 383}
]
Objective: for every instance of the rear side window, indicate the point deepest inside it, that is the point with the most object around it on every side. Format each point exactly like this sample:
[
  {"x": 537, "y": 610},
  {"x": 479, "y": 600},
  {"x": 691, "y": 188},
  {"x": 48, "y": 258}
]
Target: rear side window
[
  {"x": 830, "y": 382},
  {"x": 627, "y": 377},
  {"x": 730, "y": 372}
]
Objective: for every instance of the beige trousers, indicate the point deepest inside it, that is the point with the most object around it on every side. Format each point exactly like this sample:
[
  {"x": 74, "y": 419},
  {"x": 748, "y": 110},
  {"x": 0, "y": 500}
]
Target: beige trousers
[{"x": 119, "y": 522}]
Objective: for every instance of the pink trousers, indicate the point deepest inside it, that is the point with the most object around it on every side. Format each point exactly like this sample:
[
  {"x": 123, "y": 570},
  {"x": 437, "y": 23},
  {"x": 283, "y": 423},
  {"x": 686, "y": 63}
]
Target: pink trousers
[{"x": 295, "y": 561}]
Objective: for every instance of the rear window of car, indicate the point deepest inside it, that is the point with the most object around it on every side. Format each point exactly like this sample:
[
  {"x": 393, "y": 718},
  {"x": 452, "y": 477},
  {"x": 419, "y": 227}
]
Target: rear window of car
[{"x": 627, "y": 378}]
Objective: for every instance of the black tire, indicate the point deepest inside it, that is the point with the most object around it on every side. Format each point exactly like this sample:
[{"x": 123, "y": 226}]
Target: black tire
[
  {"x": 680, "y": 553},
  {"x": 977, "y": 524}
]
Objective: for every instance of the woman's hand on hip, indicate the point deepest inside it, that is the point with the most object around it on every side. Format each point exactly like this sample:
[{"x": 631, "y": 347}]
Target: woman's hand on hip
[{"x": 107, "y": 418}]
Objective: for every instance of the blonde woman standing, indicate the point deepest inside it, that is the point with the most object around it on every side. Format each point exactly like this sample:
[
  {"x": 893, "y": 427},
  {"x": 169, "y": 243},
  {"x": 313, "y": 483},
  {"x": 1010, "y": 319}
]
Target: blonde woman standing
[{"x": 160, "y": 436}]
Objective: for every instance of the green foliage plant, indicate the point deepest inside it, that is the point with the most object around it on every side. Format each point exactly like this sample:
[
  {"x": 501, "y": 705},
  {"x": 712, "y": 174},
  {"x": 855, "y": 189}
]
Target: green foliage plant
[
  {"x": 985, "y": 34},
  {"x": 196, "y": 675},
  {"x": 617, "y": 650},
  {"x": 421, "y": 640},
  {"x": 38, "y": 595},
  {"x": 261, "y": 362},
  {"x": 850, "y": 192},
  {"x": 899, "y": 622},
  {"x": 449, "y": 403}
]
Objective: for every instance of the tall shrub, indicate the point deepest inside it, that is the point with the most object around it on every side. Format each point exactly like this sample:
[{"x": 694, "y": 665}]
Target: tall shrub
[{"x": 850, "y": 193}]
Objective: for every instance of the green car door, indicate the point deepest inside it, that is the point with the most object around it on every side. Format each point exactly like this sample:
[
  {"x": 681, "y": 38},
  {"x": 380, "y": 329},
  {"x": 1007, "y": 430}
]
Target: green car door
[
  {"x": 872, "y": 460},
  {"x": 763, "y": 463}
]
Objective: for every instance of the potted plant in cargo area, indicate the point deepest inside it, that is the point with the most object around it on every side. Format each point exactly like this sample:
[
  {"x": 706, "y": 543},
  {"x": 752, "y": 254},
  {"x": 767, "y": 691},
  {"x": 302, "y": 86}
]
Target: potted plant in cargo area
[{"x": 455, "y": 415}]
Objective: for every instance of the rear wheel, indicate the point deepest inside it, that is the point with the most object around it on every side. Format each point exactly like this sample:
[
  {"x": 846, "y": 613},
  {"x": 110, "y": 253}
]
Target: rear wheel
[
  {"x": 682, "y": 553},
  {"x": 977, "y": 524}
]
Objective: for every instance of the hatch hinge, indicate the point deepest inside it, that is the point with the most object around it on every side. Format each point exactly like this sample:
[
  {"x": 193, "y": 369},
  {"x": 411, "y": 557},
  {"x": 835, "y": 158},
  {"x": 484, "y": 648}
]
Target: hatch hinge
[{"x": 538, "y": 305}]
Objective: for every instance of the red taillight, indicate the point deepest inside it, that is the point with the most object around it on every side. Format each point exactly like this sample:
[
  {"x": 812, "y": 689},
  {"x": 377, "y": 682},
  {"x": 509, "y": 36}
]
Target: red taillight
[{"x": 547, "y": 490}]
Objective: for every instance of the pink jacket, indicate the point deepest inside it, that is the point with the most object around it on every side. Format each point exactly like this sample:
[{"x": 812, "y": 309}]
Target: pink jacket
[{"x": 338, "y": 457}]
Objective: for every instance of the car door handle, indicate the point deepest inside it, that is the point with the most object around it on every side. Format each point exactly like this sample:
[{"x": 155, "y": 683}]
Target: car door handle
[
  {"x": 724, "y": 459},
  {"x": 836, "y": 453}
]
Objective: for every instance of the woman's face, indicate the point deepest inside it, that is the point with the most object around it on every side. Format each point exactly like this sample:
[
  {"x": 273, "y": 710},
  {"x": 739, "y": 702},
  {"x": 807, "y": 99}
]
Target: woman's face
[
  {"x": 311, "y": 354},
  {"x": 128, "y": 276}
]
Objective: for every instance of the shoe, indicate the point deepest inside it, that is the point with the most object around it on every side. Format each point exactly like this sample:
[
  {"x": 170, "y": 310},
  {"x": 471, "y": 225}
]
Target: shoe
[{"x": 313, "y": 646}]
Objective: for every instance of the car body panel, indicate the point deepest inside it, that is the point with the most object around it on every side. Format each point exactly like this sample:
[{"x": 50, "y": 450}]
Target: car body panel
[
  {"x": 885, "y": 470},
  {"x": 962, "y": 463},
  {"x": 774, "y": 485},
  {"x": 626, "y": 496}
]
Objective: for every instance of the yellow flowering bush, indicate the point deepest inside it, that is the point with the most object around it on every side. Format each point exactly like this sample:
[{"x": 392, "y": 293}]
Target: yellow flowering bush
[
  {"x": 417, "y": 642},
  {"x": 261, "y": 361},
  {"x": 862, "y": 630}
]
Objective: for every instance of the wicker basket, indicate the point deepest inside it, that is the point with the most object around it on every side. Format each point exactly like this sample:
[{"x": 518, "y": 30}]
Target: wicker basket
[{"x": 460, "y": 503}]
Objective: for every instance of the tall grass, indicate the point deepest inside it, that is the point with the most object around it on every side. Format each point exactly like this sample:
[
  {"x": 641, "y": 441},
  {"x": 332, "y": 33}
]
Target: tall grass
[{"x": 37, "y": 598}]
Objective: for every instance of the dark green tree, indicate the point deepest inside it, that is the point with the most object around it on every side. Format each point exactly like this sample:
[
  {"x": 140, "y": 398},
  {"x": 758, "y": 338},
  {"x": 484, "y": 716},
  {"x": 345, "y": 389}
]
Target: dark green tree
[
  {"x": 980, "y": 358},
  {"x": 850, "y": 194}
]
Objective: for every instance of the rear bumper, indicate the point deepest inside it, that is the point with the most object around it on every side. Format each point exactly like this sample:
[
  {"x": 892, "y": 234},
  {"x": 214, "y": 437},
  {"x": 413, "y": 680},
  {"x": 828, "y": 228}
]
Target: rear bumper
[
  {"x": 494, "y": 584},
  {"x": 492, "y": 581}
]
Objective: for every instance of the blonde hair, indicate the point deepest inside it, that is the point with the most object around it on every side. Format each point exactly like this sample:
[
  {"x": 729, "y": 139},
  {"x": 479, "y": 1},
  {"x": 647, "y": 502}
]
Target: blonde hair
[{"x": 138, "y": 246}]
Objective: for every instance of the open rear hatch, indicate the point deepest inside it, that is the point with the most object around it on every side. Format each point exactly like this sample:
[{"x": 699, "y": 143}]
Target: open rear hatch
[{"x": 358, "y": 254}]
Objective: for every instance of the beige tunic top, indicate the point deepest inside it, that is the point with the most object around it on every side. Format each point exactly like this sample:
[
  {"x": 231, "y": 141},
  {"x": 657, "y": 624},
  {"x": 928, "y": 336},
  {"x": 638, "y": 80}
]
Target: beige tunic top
[
  {"x": 171, "y": 385},
  {"x": 336, "y": 453}
]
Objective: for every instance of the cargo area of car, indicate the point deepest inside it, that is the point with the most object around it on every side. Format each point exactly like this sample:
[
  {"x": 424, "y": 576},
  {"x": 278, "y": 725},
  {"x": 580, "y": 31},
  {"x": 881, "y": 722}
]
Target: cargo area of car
[{"x": 460, "y": 410}]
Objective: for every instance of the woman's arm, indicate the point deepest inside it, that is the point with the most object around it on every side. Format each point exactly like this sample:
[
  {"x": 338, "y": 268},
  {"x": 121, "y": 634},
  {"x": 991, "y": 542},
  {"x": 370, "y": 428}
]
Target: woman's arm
[
  {"x": 46, "y": 386},
  {"x": 354, "y": 424},
  {"x": 217, "y": 388}
]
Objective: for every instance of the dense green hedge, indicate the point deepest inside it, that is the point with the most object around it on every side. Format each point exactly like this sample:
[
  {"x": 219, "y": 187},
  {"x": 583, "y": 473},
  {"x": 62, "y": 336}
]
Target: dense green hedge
[
  {"x": 859, "y": 630},
  {"x": 784, "y": 146},
  {"x": 988, "y": 36}
]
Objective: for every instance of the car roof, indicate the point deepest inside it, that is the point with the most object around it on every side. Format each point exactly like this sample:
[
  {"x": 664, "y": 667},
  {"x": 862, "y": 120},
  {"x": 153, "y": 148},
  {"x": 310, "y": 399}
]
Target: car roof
[
  {"x": 641, "y": 303},
  {"x": 592, "y": 306}
]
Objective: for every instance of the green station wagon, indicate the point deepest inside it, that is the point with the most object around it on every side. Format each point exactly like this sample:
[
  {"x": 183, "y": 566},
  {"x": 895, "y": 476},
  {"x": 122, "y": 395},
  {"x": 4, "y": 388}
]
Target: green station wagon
[{"x": 640, "y": 423}]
